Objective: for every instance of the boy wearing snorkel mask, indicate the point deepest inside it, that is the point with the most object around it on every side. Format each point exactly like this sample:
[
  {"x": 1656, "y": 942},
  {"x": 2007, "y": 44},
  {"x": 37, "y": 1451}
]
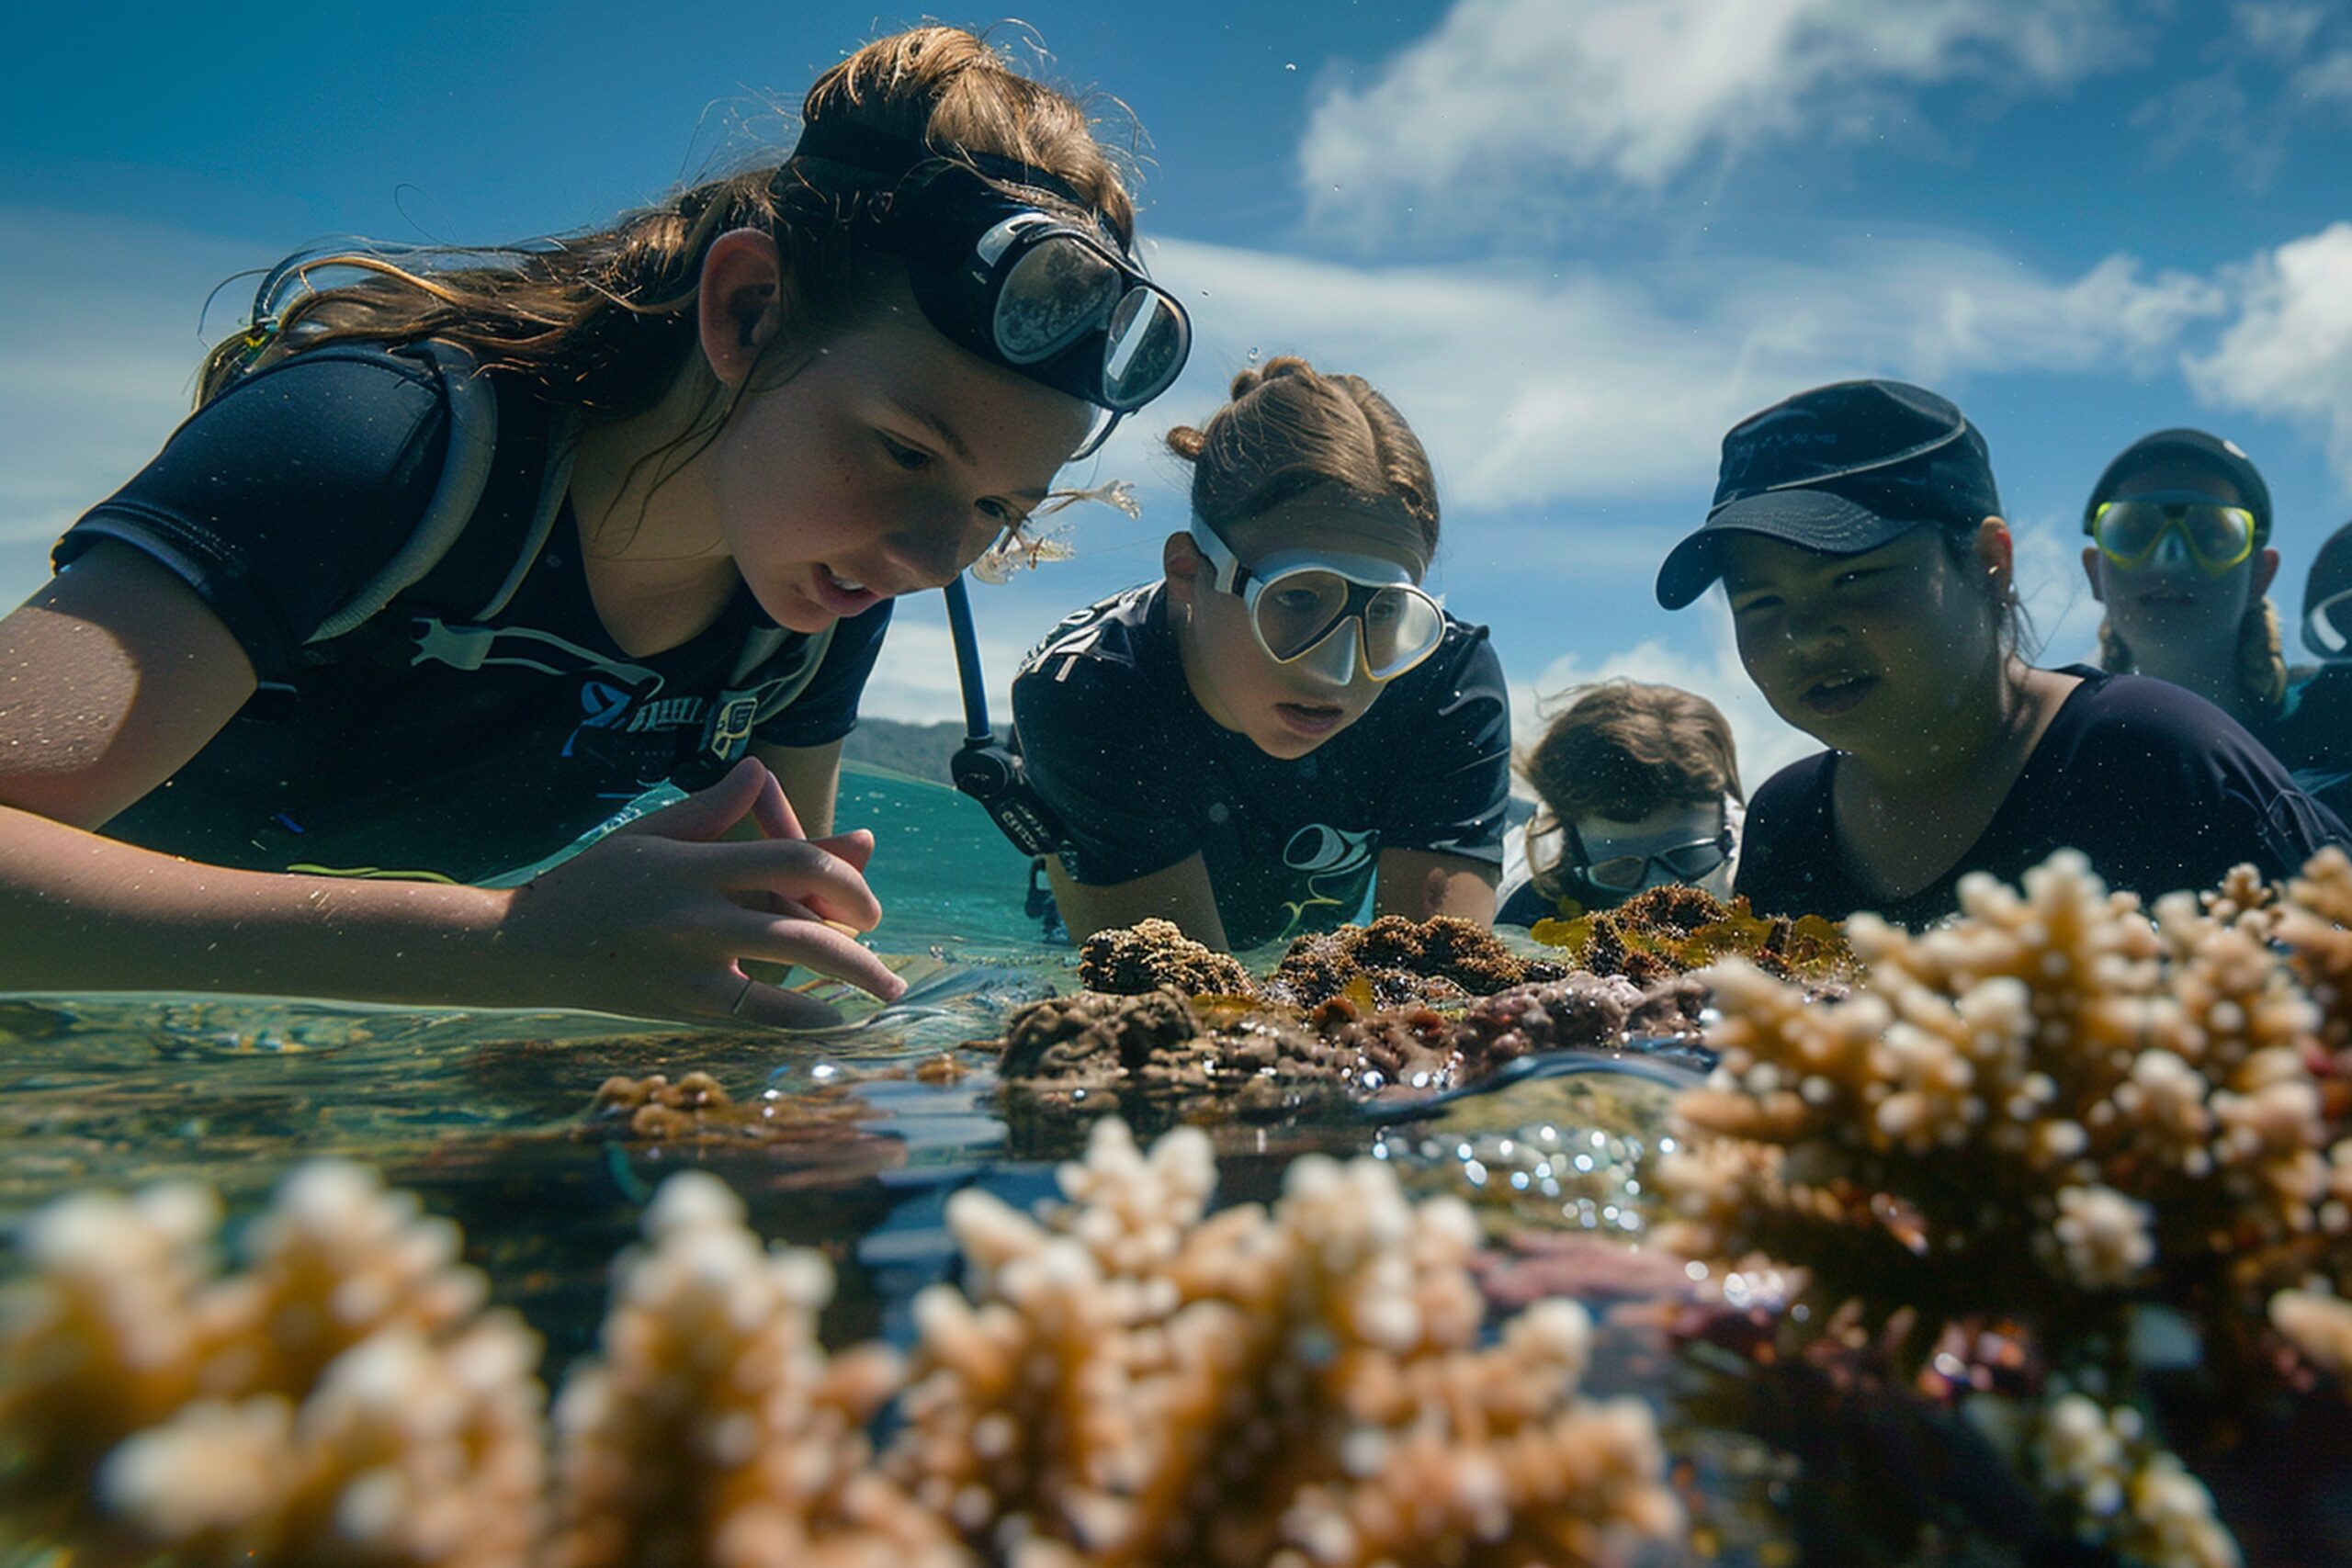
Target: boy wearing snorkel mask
[{"x": 1288, "y": 719}]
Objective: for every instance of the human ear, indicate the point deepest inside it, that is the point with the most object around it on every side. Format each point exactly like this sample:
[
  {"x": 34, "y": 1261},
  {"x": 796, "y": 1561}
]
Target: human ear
[
  {"x": 1996, "y": 552},
  {"x": 738, "y": 301},
  {"x": 1181, "y": 560},
  {"x": 2265, "y": 572},
  {"x": 2091, "y": 570}
]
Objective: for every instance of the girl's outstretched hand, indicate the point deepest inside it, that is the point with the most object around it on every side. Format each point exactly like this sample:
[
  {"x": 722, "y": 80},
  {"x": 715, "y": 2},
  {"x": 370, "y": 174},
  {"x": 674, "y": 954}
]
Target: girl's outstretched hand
[{"x": 657, "y": 918}]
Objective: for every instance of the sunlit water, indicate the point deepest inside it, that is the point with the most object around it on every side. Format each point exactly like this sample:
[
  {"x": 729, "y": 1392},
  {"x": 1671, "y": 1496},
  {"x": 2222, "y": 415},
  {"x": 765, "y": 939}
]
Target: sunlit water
[{"x": 485, "y": 1114}]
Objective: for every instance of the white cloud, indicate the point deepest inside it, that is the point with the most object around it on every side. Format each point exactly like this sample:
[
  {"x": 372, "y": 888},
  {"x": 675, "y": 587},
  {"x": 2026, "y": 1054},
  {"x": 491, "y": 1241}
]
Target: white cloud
[
  {"x": 2288, "y": 351},
  {"x": 1530, "y": 385},
  {"x": 1633, "y": 92},
  {"x": 2281, "y": 32}
]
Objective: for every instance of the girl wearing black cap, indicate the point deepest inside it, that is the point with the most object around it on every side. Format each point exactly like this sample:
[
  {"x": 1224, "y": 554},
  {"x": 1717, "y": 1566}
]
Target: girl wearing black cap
[
  {"x": 1857, "y": 533},
  {"x": 2180, "y": 525},
  {"x": 453, "y": 563}
]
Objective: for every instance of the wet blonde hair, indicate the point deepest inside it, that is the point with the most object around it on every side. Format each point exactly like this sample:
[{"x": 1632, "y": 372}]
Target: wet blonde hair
[
  {"x": 2261, "y": 657},
  {"x": 1289, "y": 429},
  {"x": 1623, "y": 749},
  {"x": 605, "y": 321}
]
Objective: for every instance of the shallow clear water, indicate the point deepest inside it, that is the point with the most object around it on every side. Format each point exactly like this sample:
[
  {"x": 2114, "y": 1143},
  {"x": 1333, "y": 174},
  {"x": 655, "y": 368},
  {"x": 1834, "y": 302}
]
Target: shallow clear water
[{"x": 485, "y": 1114}]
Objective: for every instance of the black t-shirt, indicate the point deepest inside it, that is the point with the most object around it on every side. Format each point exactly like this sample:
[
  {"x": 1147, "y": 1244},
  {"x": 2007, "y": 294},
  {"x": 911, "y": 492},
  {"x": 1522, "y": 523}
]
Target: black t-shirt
[
  {"x": 1143, "y": 778},
  {"x": 2160, "y": 788},
  {"x": 435, "y": 739},
  {"x": 2312, "y": 735}
]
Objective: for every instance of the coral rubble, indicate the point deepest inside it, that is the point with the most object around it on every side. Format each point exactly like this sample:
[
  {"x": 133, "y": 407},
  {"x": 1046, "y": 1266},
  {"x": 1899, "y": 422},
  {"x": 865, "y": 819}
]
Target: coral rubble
[
  {"x": 696, "y": 1108},
  {"x": 1244, "y": 1058},
  {"x": 1128, "y": 961},
  {"x": 1443, "y": 958}
]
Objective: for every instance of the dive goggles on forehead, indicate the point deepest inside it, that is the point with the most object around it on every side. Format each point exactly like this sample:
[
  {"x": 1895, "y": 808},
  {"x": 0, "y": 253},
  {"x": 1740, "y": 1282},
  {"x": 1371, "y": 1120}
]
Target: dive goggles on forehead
[
  {"x": 1328, "y": 612},
  {"x": 2131, "y": 532},
  {"x": 1052, "y": 295}
]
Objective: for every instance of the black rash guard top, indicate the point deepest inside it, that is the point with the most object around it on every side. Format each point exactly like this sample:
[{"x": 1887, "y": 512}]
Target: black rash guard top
[
  {"x": 2160, "y": 788},
  {"x": 1143, "y": 778},
  {"x": 434, "y": 739}
]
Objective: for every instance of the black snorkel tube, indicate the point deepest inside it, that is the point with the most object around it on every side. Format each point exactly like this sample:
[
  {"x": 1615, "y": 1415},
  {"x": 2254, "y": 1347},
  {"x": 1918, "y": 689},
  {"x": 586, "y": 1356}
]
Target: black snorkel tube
[{"x": 983, "y": 768}]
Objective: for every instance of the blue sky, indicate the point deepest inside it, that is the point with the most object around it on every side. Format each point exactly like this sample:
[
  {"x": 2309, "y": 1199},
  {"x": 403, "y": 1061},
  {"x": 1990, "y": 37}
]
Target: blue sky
[{"x": 1572, "y": 239}]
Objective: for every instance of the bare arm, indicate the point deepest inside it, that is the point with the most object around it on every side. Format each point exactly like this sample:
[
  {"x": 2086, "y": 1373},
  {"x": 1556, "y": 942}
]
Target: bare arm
[
  {"x": 1418, "y": 884},
  {"x": 1182, "y": 894},
  {"x": 117, "y": 673}
]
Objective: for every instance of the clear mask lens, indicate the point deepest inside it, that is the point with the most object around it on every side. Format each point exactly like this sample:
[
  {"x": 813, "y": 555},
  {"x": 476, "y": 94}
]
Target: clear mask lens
[
  {"x": 1054, "y": 294},
  {"x": 1145, "y": 350},
  {"x": 1298, "y": 611}
]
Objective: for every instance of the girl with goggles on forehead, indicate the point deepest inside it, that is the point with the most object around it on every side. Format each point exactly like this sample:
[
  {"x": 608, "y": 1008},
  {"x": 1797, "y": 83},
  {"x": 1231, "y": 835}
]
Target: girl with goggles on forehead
[
  {"x": 2179, "y": 554},
  {"x": 458, "y": 555},
  {"x": 1288, "y": 718}
]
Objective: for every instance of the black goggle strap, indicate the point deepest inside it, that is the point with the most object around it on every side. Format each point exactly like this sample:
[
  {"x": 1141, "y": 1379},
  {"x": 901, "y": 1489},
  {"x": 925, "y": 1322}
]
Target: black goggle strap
[{"x": 893, "y": 158}]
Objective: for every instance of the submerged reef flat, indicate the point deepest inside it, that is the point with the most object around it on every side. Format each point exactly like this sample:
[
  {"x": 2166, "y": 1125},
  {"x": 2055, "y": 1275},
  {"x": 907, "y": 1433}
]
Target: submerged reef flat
[
  {"x": 1392, "y": 1011},
  {"x": 1164, "y": 1053},
  {"x": 1125, "y": 1379},
  {"x": 2108, "y": 1127}
]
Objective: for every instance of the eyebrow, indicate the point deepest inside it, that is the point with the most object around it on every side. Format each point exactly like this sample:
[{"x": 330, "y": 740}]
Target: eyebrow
[{"x": 954, "y": 444}]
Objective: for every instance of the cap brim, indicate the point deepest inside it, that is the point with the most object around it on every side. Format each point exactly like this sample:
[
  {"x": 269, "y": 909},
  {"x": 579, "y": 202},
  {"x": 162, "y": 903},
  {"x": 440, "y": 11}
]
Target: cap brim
[{"x": 1810, "y": 519}]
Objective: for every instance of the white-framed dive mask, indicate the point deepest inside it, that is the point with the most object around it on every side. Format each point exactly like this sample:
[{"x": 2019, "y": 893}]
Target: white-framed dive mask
[{"x": 1329, "y": 614}]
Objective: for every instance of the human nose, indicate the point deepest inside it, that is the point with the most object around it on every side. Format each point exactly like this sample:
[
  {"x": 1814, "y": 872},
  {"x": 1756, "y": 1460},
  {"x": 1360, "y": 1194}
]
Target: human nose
[
  {"x": 2172, "y": 548},
  {"x": 1807, "y": 626},
  {"x": 925, "y": 551}
]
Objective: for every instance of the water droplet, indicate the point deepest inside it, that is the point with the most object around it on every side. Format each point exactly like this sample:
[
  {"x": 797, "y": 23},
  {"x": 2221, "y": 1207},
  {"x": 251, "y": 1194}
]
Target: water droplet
[
  {"x": 1253, "y": 354},
  {"x": 1204, "y": 293},
  {"x": 1290, "y": 65}
]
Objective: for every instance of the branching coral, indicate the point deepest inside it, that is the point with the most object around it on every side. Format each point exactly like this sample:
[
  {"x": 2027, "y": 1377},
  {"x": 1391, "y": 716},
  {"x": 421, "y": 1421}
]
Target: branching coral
[
  {"x": 1136, "y": 1384},
  {"x": 2125, "y": 1492},
  {"x": 342, "y": 1399},
  {"x": 714, "y": 1429},
  {"x": 2048, "y": 1104}
]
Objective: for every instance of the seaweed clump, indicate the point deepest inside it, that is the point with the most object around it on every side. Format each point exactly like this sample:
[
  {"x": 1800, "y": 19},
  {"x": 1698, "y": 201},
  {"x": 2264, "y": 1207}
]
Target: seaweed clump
[
  {"x": 1675, "y": 929},
  {"x": 1132, "y": 1381},
  {"x": 2058, "y": 1110}
]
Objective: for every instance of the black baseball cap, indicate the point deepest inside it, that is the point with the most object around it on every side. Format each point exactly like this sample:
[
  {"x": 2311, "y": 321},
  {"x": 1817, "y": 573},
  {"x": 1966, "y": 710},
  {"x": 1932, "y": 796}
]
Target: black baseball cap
[
  {"x": 1841, "y": 470},
  {"x": 2222, "y": 458},
  {"x": 2327, "y": 597}
]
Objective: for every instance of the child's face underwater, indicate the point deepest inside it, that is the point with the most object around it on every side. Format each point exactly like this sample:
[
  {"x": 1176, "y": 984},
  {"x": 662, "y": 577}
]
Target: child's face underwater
[
  {"x": 887, "y": 463},
  {"x": 1287, "y": 710},
  {"x": 1867, "y": 653}
]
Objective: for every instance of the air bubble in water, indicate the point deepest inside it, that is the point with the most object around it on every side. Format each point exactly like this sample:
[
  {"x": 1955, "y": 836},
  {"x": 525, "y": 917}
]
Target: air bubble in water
[{"x": 1253, "y": 356}]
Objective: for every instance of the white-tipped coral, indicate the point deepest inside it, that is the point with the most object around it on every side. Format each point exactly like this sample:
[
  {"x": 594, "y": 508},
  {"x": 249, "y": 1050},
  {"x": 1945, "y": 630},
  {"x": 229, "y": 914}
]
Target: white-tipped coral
[
  {"x": 1138, "y": 1382},
  {"x": 714, "y": 1429},
  {"x": 1137, "y": 1385},
  {"x": 2125, "y": 1493},
  {"x": 2036, "y": 1111},
  {"x": 343, "y": 1399}
]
